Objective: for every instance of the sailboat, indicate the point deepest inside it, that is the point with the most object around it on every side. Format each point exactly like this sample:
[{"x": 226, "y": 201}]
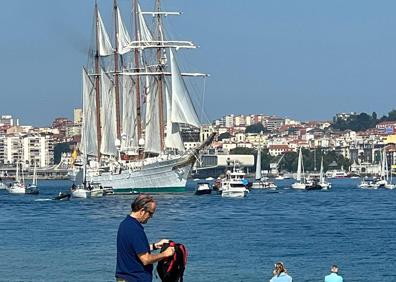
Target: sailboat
[
  {"x": 389, "y": 180},
  {"x": 261, "y": 182},
  {"x": 322, "y": 180},
  {"x": 301, "y": 183},
  {"x": 17, "y": 187},
  {"x": 33, "y": 188},
  {"x": 133, "y": 108}
]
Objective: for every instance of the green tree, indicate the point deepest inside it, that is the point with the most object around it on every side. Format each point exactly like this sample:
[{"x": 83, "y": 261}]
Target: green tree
[
  {"x": 224, "y": 135},
  {"x": 256, "y": 128},
  {"x": 59, "y": 149}
]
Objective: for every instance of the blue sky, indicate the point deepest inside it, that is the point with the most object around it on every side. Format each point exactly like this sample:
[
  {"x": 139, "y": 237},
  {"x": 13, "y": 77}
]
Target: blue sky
[{"x": 306, "y": 59}]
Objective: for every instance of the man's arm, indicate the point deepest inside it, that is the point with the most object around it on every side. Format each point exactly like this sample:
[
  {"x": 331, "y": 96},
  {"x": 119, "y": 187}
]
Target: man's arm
[{"x": 147, "y": 258}]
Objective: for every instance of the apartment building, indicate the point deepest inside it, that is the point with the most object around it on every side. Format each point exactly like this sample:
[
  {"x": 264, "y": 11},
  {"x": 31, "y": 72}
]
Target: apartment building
[{"x": 28, "y": 149}]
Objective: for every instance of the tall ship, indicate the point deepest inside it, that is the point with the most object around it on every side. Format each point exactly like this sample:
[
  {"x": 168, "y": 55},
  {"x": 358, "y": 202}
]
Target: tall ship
[{"x": 135, "y": 98}]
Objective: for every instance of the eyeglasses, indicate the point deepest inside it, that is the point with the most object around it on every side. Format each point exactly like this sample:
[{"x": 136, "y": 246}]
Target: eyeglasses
[{"x": 151, "y": 213}]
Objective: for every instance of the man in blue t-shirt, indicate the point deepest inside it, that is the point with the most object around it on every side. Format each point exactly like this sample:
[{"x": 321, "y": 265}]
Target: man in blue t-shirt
[
  {"x": 333, "y": 276},
  {"x": 134, "y": 257}
]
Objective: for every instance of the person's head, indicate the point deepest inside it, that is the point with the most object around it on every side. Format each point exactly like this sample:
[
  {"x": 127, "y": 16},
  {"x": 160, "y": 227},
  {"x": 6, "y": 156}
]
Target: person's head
[
  {"x": 143, "y": 208},
  {"x": 334, "y": 268},
  {"x": 279, "y": 267}
]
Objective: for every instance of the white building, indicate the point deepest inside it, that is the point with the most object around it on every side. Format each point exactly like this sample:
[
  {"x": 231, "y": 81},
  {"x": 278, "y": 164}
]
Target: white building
[{"x": 27, "y": 149}]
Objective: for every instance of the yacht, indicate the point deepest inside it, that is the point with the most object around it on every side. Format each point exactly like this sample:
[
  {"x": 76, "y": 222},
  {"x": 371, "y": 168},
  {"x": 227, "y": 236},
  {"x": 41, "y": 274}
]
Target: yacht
[{"x": 234, "y": 184}]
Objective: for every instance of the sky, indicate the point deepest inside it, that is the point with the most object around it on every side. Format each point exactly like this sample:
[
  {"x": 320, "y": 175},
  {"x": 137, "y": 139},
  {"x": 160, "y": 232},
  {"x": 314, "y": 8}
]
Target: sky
[{"x": 305, "y": 60}]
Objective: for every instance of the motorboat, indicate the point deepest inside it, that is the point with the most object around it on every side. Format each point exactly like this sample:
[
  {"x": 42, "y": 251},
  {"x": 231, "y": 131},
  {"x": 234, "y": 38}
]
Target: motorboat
[
  {"x": 32, "y": 189},
  {"x": 62, "y": 196},
  {"x": 234, "y": 184},
  {"x": 203, "y": 188},
  {"x": 263, "y": 184},
  {"x": 3, "y": 186},
  {"x": 96, "y": 190}
]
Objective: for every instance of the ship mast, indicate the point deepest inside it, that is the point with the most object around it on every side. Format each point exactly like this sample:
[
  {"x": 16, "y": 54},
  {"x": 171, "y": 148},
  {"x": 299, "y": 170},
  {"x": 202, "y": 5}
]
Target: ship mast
[
  {"x": 137, "y": 70},
  {"x": 97, "y": 82},
  {"x": 160, "y": 68},
  {"x": 116, "y": 73}
]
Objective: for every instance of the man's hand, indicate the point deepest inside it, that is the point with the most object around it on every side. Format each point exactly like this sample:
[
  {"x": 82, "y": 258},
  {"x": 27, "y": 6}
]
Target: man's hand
[
  {"x": 159, "y": 244},
  {"x": 169, "y": 252}
]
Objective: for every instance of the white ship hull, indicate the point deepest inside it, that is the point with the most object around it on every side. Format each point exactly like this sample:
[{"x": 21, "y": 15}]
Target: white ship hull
[{"x": 162, "y": 176}]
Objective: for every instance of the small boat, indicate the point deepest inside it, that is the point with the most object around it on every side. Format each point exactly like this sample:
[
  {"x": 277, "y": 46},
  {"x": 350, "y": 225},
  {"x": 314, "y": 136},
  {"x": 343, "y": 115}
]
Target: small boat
[
  {"x": 32, "y": 188},
  {"x": 80, "y": 191},
  {"x": 3, "y": 186},
  {"x": 96, "y": 190},
  {"x": 62, "y": 196},
  {"x": 18, "y": 187},
  {"x": 301, "y": 181},
  {"x": 260, "y": 181},
  {"x": 323, "y": 183},
  {"x": 203, "y": 188}
]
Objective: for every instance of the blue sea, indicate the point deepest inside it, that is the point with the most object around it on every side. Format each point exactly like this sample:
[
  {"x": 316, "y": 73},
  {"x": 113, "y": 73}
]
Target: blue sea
[{"x": 227, "y": 239}]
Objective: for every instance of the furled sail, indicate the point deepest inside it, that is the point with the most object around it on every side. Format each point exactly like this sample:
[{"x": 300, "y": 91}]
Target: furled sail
[
  {"x": 89, "y": 144},
  {"x": 182, "y": 107},
  {"x": 129, "y": 113},
  {"x": 108, "y": 115},
  {"x": 123, "y": 38},
  {"x": 152, "y": 134},
  {"x": 104, "y": 43},
  {"x": 173, "y": 138},
  {"x": 258, "y": 164}
]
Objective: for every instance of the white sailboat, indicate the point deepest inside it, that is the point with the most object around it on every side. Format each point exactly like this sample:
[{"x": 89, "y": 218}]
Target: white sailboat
[
  {"x": 18, "y": 186},
  {"x": 322, "y": 180},
  {"x": 133, "y": 145},
  {"x": 32, "y": 187},
  {"x": 301, "y": 183},
  {"x": 389, "y": 180},
  {"x": 260, "y": 182}
]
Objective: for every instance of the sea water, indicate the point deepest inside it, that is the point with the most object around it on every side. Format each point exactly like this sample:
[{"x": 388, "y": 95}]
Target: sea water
[{"x": 227, "y": 239}]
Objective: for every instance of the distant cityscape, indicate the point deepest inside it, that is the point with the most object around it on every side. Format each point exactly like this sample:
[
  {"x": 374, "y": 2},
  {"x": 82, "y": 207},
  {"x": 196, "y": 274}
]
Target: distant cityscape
[{"x": 44, "y": 146}]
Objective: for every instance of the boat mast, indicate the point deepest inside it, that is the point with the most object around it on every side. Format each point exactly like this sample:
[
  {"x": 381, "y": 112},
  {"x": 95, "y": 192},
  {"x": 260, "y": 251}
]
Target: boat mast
[
  {"x": 137, "y": 70},
  {"x": 116, "y": 72},
  {"x": 160, "y": 68},
  {"x": 97, "y": 82}
]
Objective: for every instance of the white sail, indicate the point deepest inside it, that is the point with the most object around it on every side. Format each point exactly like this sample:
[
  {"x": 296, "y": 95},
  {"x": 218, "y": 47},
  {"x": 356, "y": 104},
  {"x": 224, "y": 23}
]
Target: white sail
[
  {"x": 321, "y": 177},
  {"x": 34, "y": 180},
  {"x": 128, "y": 113},
  {"x": 123, "y": 38},
  {"x": 89, "y": 144},
  {"x": 152, "y": 135},
  {"x": 104, "y": 43},
  {"x": 299, "y": 166},
  {"x": 144, "y": 33},
  {"x": 258, "y": 164},
  {"x": 17, "y": 177},
  {"x": 108, "y": 116},
  {"x": 182, "y": 107},
  {"x": 173, "y": 138}
]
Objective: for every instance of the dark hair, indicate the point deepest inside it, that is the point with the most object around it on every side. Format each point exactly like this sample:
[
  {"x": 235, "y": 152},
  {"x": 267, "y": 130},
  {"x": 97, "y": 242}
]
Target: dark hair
[
  {"x": 279, "y": 268},
  {"x": 141, "y": 202}
]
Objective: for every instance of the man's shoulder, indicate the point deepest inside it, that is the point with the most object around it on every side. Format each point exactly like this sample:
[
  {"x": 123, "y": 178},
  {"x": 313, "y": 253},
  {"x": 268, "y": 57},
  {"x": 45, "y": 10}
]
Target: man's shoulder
[{"x": 333, "y": 278}]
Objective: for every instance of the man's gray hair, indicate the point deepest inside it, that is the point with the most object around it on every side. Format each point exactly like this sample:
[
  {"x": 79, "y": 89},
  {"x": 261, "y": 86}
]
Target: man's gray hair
[{"x": 141, "y": 202}]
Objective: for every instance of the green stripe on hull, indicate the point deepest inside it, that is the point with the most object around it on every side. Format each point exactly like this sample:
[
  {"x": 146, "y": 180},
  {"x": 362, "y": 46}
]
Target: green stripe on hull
[{"x": 149, "y": 190}]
